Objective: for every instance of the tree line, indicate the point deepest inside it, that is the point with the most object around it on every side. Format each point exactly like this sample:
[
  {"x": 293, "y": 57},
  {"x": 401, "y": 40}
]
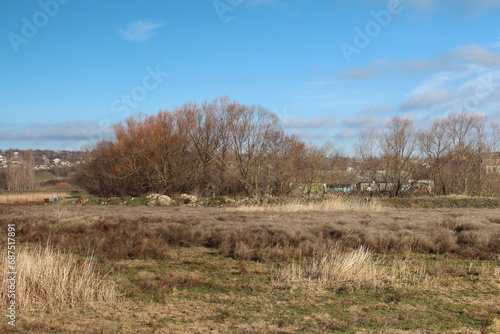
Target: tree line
[
  {"x": 226, "y": 148},
  {"x": 451, "y": 154},
  {"x": 20, "y": 172},
  {"x": 216, "y": 148}
]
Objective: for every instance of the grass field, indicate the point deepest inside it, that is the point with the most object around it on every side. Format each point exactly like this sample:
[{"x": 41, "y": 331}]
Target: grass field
[{"x": 293, "y": 268}]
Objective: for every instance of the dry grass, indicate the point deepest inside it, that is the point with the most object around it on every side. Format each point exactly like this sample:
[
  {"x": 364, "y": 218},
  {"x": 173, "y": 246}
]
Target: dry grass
[
  {"x": 335, "y": 266},
  {"x": 198, "y": 291},
  {"x": 49, "y": 280},
  {"x": 327, "y": 205},
  {"x": 218, "y": 270},
  {"x": 354, "y": 268},
  {"x": 29, "y": 197},
  {"x": 136, "y": 232}
]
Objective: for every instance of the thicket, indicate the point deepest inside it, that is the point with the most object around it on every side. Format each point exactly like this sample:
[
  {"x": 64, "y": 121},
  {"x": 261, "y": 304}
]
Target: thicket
[
  {"x": 217, "y": 148},
  {"x": 225, "y": 148}
]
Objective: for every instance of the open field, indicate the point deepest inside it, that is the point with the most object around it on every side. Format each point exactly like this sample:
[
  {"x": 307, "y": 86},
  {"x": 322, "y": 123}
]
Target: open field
[{"x": 287, "y": 269}]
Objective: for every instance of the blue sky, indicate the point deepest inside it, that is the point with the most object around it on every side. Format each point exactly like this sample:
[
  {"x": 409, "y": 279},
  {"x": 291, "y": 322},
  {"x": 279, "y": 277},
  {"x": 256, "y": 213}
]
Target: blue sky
[{"x": 327, "y": 68}]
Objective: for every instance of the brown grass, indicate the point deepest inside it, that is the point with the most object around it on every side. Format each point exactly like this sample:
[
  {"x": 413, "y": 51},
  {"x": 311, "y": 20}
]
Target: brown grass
[
  {"x": 49, "y": 280},
  {"x": 328, "y": 205},
  {"x": 29, "y": 197},
  {"x": 334, "y": 266},
  {"x": 353, "y": 268},
  {"x": 136, "y": 232}
]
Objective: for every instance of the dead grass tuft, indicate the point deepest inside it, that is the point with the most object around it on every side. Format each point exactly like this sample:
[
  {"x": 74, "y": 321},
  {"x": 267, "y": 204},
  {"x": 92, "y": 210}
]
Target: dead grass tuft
[
  {"x": 335, "y": 266},
  {"x": 50, "y": 280},
  {"x": 354, "y": 268}
]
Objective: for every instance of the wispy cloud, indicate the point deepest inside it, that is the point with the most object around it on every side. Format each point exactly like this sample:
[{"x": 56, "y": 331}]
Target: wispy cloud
[
  {"x": 260, "y": 2},
  {"x": 464, "y": 8},
  {"x": 427, "y": 5},
  {"x": 439, "y": 79},
  {"x": 140, "y": 31},
  {"x": 457, "y": 7},
  {"x": 311, "y": 134},
  {"x": 359, "y": 73},
  {"x": 369, "y": 118},
  {"x": 477, "y": 54},
  {"x": 78, "y": 130},
  {"x": 426, "y": 100},
  {"x": 318, "y": 122},
  {"x": 455, "y": 62},
  {"x": 346, "y": 134}
]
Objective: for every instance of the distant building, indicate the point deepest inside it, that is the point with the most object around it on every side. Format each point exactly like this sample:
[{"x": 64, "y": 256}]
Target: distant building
[{"x": 491, "y": 163}]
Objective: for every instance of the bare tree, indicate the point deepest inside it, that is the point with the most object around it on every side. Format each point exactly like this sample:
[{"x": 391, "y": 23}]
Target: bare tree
[
  {"x": 368, "y": 149},
  {"x": 21, "y": 171},
  {"x": 466, "y": 134},
  {"x": 398, "y": 147},
  {"x": 253, "y": 133},
  {"x": 435, "y": 144}
]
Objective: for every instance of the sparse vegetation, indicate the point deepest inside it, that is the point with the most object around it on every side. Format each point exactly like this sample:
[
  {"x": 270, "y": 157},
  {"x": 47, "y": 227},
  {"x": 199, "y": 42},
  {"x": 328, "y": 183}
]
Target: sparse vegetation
[{"x": 283, "y": 268}]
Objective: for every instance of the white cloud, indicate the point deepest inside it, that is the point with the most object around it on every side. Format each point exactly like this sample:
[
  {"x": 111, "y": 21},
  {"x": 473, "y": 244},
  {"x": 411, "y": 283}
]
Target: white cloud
[
  {"x": 260, "y": 2},
  {"x": 310, "y": 134},
  {"x": 369, "y": 118},
  {"x": 427, "y": 100},
  {"x": 140, "y": 31},
  {"x": 438, "y": 79},
  {"x": 360, "y": 73},
  {"x": 455, "y": 7},
  {"x": 318, "y": 122},
  {"x": 78, "y": 130},
  {"x": 427, "y": 5},
  {"x": 452, "y": 64},
  {"x": 346, "y": 134},
  {"x": 477, "y": 54}
]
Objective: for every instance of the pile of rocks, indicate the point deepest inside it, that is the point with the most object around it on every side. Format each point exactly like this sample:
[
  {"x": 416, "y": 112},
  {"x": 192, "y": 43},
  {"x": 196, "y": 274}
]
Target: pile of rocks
[
  {"x": 159, "y": 200},
  {"x": 186, "y": 199}
]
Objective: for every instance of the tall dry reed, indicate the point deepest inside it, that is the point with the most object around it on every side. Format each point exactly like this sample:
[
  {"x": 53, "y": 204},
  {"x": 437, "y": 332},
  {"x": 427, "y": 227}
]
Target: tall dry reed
[{"x": 47, "y": 279}]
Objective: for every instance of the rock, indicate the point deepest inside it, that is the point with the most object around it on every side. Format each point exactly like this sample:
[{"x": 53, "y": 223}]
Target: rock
[
  {"x": 188, "y": 199},
  {"x": 159, "y": 200}
]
